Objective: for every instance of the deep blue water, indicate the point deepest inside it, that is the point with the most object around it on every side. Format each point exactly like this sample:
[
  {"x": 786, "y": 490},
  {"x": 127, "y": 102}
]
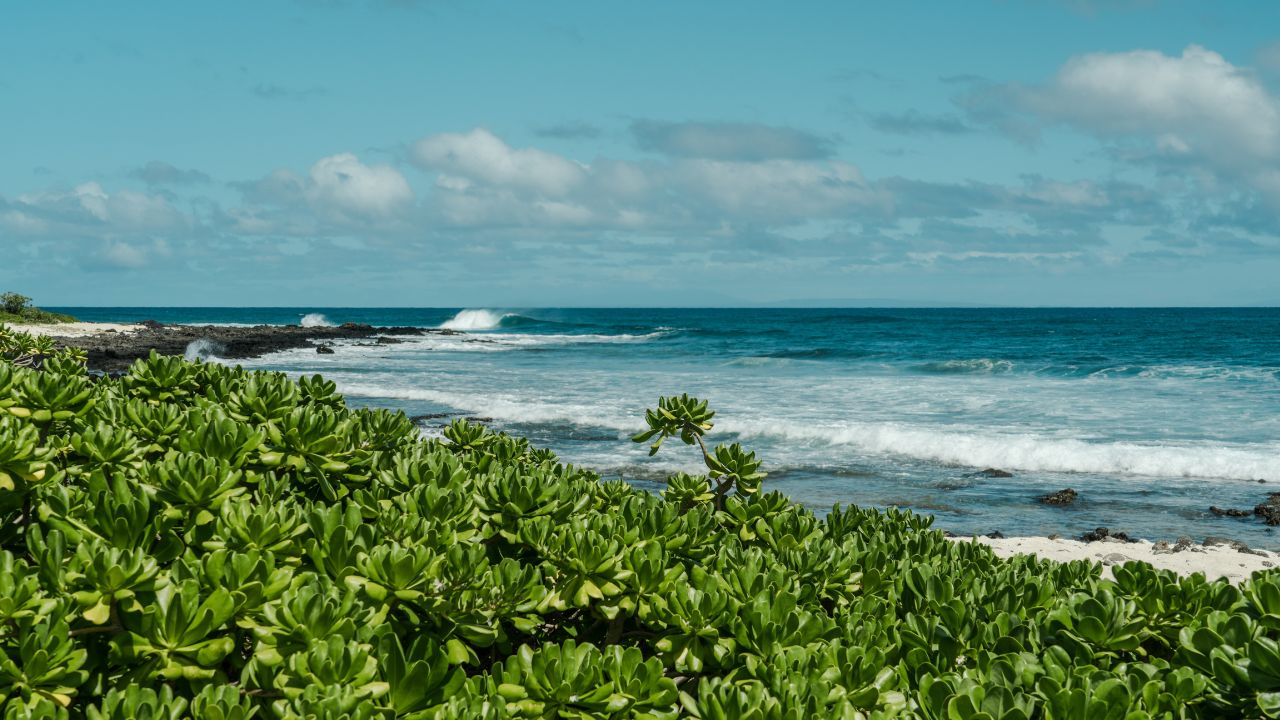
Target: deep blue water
[{"x": 1152, "y": 415}]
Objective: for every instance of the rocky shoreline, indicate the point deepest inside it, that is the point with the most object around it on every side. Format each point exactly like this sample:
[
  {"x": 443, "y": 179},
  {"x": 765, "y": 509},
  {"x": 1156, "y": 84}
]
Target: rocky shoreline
[{"x": 113, "y": 351}]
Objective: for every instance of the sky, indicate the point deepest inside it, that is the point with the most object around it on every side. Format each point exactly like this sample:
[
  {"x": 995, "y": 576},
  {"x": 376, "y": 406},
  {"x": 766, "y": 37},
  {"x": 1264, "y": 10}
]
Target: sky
[{"x": 515, "y": 154}]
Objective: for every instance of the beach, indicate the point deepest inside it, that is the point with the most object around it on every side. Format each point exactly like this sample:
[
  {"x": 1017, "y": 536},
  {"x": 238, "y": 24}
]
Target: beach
[{"x": 1214, "y": 561}]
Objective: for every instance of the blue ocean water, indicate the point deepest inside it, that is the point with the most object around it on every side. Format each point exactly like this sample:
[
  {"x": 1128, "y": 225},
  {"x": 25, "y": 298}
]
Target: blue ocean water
[{"x": 1153, "y": 415}]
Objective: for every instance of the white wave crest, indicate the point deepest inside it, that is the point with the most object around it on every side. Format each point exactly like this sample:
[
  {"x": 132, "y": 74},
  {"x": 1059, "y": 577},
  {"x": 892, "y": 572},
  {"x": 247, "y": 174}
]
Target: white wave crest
[
  {"x": 315, "y": 320},
  {"x": 203, "y": 349},
  {"x": 509, "y": 409},
  {"x": 1030, "y": 452},
  {"x": 787, "y": 439},
  {"x": 517, "y": 341},
  {"x": 987, "y": 366},
  {"x": 474, "y": 320}
]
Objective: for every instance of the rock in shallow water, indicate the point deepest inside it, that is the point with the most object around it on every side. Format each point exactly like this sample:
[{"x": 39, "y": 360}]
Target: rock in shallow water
[
  {"x": 1229, "y": 512},
  {"x": 1269, "y": 509},
  {"x": 1062, "y": 497},
  {"x": 992, "y": 473}
]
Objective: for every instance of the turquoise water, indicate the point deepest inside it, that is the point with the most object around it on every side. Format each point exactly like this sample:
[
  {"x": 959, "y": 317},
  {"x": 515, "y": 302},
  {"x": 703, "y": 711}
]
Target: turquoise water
[{"x": 1152, "y": 415}]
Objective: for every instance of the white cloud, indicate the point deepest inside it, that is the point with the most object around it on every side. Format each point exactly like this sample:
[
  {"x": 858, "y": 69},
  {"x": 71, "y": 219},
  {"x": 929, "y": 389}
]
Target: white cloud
[
  {"x": 90, "y": 206},
  {"x": 343, "y": 184},
  {"x": 482, "y": 156},
  {"x": 481, "y": 180},
  {"x": 338, "y": 193},
  {"x": 1214, "y": 125},
  {"x": 1196, "y": 102},
  {"x": 124, "y": 255}
]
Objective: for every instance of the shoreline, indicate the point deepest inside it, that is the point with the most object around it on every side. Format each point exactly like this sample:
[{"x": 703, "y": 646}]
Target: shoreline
[
  {"x": 1216, "y": 558},
  {"x": 112, "y": 347}
]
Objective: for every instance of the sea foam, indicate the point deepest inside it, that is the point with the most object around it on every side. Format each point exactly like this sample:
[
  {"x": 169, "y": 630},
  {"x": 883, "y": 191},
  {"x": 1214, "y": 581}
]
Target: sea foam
[
  {"x": 474, "y": 320},
  {"x": 203, "y": 349},
  {"x": 1029, "y": 452},
  {"x": 315, "y": 320}
]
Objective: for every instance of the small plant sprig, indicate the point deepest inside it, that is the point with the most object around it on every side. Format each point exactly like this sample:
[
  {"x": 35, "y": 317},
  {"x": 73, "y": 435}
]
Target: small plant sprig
[{"x": 729, "y": 466}]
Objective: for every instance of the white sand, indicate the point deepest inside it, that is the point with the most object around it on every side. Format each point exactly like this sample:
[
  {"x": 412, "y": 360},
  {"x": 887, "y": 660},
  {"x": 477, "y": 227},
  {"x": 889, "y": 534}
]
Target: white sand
[
  {"x": 1215, "y": 562},
  {"x": 73, "y": 329}
]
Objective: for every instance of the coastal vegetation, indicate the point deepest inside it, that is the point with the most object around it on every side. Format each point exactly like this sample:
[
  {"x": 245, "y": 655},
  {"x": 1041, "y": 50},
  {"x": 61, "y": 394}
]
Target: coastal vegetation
[
  {"x": 17, "y": 308},
  {"x": 196, "y": 540}
]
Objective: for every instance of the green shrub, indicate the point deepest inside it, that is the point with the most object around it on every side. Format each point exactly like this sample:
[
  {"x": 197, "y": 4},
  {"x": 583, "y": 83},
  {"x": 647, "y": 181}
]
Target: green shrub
[
  {"x": 18, "y": 308},
  {"x": 193, "y": 540},
  {"x": 13, "y": 303}
]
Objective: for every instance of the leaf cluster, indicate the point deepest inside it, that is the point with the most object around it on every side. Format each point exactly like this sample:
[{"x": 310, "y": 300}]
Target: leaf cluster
[{"x": 199, "y": 541}]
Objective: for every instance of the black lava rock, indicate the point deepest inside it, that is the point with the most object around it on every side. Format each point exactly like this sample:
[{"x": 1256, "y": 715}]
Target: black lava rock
[
  {"x": 1269, "y": 509},
  {"x": 1230, "y": 512},
  {"x": 1105, "y": 534},
  {"x": 1062, "y": 497}
]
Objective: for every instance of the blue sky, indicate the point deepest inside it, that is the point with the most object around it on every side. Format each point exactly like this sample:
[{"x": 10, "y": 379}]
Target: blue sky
[{"x": 442, "y": 153}]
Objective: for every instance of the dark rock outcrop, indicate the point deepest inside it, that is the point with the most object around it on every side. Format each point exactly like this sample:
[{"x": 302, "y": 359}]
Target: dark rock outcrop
[
  {"x": 1214, "y": 541},
  {"x": 1269, "y": 509},
  {"x": 1062, "y": 497},
  {"x": 1230, "y": 512},
  {"x": 992, "y": 473},
  {"x": 1102, "y": 533},
  {"x": 428, "y": 416},
  {"x": 117, "y": 351},
  {"x": 324, "y": 349}
]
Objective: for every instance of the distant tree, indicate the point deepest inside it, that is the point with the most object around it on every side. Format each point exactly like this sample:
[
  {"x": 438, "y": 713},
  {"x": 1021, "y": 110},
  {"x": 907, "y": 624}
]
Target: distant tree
[{"x": 14, "y": 303}]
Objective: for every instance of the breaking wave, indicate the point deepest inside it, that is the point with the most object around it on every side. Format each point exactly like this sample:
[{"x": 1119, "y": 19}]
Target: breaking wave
[
  {"x": 315, "y": 320},
  {"x": 471, "y": 320},
  {"x": 1012, "y": 451},
  {"x": 1030, "y": 452},
  {"x": 203, "y": 349},
  {"x": 974, "y": 366}
]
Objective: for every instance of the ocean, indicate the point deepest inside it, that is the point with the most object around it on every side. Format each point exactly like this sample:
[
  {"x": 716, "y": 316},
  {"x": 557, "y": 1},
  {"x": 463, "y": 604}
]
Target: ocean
[{"x": 1152, "y": 415}]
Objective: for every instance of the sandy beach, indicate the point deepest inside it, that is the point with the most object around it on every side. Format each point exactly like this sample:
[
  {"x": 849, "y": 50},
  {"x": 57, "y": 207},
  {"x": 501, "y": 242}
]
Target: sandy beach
[
  {"x": 1214, "y": 561},
  {"x": 75, "y": 329}
]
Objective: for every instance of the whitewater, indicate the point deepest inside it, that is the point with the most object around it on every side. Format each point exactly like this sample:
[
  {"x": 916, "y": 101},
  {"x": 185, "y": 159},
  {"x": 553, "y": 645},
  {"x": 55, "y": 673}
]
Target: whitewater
[{"x": 1152, "y": 416}]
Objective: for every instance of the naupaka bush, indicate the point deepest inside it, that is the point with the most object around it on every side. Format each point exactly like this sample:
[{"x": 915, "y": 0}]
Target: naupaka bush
[{"x": 194, "y": 540}]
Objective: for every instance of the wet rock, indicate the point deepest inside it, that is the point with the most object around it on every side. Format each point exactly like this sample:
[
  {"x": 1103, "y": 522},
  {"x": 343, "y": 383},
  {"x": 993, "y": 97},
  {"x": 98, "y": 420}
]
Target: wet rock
[
  {"x": 388, "y": 340},
  {"x": 324, "y": 349},
  {"x": 1216, "y": 541},
  {"x": 949, "y": 534},
  {"x": 1104, "y": 535},
  {"x": 1269, "y": 509},
  {"x": 1229, "y": 512},
  {"x": 428, "y": 416},
  {"x": 1062, "y": 497},
  {"x": 995, "y": 535},
  {"x": 1055, "y": 536},
  {"x": 992, "y": 473}
]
